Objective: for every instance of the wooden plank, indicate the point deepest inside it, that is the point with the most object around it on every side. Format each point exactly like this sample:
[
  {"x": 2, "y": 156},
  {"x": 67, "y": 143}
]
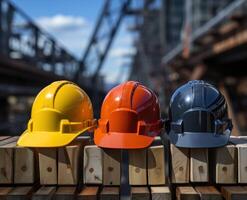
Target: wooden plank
[
  {"x": 111, "y": 166},
  {"x": 92, "y": 169},
  {"x": 4, "y": 137},
  {"x": 69, "y": 158},
  {"x": 109, "y": 193},
  {"x": 7, "y": 157},
  {"x": 226, "y": 164},
  {"x": 156, "y": 165},
  {"x": 241, "y": 144},
  {"x": 231, "y": 42},
  {"x": 160, "y": 193},
  {"x": 65, "y": 193},
  {"x": 4, "y": 191},
  {"x": 24, "y": 169},
  {"x": 186, "y": 193},
  {"x": 44, "y": 193},
  {"x": 70, "y": 161},
  {"x": 208, "y": 193},
  {"x": 6, "y": 165},
  {"x": 234, "y": 192},
  {"x": 20, "y": 193},
  {"x": 137, "y": 167},
  {"x": 47, "y": 166},
  {"x": 198, "y": 72},
  {"x": 8, "y": 140},
  {"x": 140, "y": 193},
  {"x": 88, "y": 193},
  {"x": 179, "y": 164},
  {"x": 199, "y": 165}
]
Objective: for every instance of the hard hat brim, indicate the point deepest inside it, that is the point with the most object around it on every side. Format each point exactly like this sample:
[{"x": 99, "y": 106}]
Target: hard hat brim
[
  {"x": 115, "y": 140},
  {"x": 47, "y": 139},
  {"x": 199, "y": 140}
]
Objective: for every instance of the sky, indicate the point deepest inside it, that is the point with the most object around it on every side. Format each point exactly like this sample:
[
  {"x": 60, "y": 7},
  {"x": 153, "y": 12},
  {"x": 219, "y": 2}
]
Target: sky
[{"x": 72, "y": 22}]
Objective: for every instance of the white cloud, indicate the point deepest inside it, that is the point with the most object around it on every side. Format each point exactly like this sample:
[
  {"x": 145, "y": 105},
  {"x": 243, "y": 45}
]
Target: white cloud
[
  {"x": 71, "y": 31},
  {"x": 61, "y": 22},
  {"x": 122, "y": 52}
]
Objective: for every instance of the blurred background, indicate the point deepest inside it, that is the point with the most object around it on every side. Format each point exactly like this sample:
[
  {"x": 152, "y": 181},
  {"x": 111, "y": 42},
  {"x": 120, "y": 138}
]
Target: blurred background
[{"x": 99, "y": 44}]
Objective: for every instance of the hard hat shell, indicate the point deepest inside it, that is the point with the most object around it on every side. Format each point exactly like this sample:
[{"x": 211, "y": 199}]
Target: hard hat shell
[
  {"x": 198, "y": 116},
  {"x": 130, "y": 117},
  {"x": 60, "y": 112}
]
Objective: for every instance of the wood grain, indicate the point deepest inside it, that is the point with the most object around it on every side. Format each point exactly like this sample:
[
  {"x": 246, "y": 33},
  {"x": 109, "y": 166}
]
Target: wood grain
[
  {"x": 226, "y": 164},
  {"x": 69, "y": 163},
  {"x": 180, "y": 164},
  {"x": 208, "y": 193},
  {"x": 160, "y": 193},
  {"x": 138, "y": 167},
  {"x": 111, "y": 166},
  {"x": 156, "y": 165},
  {"x": 88, "y": 193},
  {"x": 109, "y": 193},
  {"x": 234, "y": 192},
  {"x": 140, "y": 193},
  {"x": 44, "y": 193},
  {"x": 47, "y": 166},
  {"x": 65, "y": 193},
  {"x": 199, "y": 165},
  {"x": 186, "y": 193},
  {"x": 24, "y": 166},
  {"x": 93, "y": 165}
]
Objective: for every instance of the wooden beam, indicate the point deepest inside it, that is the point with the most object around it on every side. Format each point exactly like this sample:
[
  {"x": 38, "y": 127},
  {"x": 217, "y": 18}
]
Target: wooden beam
[
  {"x": 225, "y": 164},
  {"x": 234, "y": 192},
  {"x": 160, "y": 193},
  {"x": 88, "y": 193},
  {"x": 4, "y": 138},
  {"x": 6, "y": 165},
  {"x": 180, "y": 164},
  {"x": 47, "y": 166},
  {"x": 20, "y": 193},
  {"x": 69, "y": 159},
  {"x": 156, "y": 165},
  {"x": 198, "y": 72},
  {"x": 228, "y": 27},
  {"x": 140, "y": 193},
  {"x": 138, "y": 167},
  {"x": 7, "y": 158},
  {"x": 4, "y": 191},
  {"x": 111, "y": 166},
  {"x": 208, "y": 193},
  {"x": 8, "y": 140},
  {"x": 65, "y": 193},
  {"x": 230, "y": 43},
  {"x": 93, "y": 165},
  {"x": 44, "y": 193},
  {"x": 186, "y": 193},
  {"x": 24, "y": 166},
  {"x": 111, "y": 193},
  {"x": 241, "y": 145},
  {"x": 199, "y": 165}
]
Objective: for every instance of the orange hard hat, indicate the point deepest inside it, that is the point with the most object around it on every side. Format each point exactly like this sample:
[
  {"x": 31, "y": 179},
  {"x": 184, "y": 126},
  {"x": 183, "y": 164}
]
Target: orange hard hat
[{"x": 130, "y": 118}]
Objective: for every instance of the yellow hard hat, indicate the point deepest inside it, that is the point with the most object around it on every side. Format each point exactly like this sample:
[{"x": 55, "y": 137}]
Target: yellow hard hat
[{"x": 60, "y": 112}]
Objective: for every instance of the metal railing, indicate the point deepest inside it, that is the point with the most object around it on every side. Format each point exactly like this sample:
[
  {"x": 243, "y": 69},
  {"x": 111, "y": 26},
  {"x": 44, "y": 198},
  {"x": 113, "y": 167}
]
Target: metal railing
[{"x": 21, "y": 39}]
